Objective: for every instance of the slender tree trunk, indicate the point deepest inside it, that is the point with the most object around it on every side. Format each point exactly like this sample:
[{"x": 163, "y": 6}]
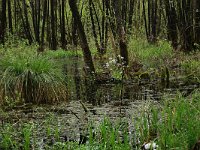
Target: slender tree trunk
[
  {"x": 154, "y": 21},
  {"x": 84, "y": 44},
  {"x": 171, "y": 23},
  {"x": 145, "y": 19},
  {"x": 10, "y": 17},
  {"x": 63, "y": 31},
  {"x": 53, "y": 26},
  {"x": 74, "y": 33},
  {"x": 93, "y": 26},
  {"x": 43, "y": 25},
  {"x": 27, "y": 25},
  {"x": 3, "y": 22},
  {"x": 121, "y": 31},
  {"x": 130, "y": 16},
  {"x": 186, "y": 39},
  {"x": 197, "y": 21}
]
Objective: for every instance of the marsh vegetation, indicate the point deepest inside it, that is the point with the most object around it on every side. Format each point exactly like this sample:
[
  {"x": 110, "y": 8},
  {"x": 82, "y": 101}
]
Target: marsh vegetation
[{"x": 102, "y": 74}]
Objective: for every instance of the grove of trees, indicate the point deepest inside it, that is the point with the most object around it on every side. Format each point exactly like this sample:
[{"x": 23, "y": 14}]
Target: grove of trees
[{"x": 60, "y": 23}]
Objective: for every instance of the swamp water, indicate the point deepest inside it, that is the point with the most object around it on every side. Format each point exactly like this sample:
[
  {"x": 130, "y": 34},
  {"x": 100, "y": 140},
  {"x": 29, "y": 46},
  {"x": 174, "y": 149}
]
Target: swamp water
[{"x": 67, "y": 121}]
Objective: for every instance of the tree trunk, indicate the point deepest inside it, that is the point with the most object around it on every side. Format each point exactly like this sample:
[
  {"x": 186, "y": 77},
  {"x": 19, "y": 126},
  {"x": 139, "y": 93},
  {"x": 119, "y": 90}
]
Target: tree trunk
[
  {"x": 121, "y": 32},
  {"x": 197, "y": 21},
  {"x": 93, "y": 27},
  {"x": 3, "y": 22},
  {"x": 84, "y": 44},
  {"x": 171, "y": 23},
  {"x": 10, "y": 17},
  {"x": 53, "y": 26},
  {"x": 63, "y": 38},
  {"x": 27, "y": 25}
]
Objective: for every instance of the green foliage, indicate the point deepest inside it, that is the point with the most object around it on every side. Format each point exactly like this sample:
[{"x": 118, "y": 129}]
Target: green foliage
[
  {"x": 8, "y": 140},
  {"x": 175, "y": 126},
  {"x": 34, "y": 77},
  {"x": 27, "y": 131},
  {"x": 191, "y": 66},
  {"x": 191, "y": 70},
  {"x": 150, "y": 55}
]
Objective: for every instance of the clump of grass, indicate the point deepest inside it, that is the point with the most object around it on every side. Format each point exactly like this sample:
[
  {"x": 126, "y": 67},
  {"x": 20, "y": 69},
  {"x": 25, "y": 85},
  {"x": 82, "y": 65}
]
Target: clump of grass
[
  {"x": 110, "y": 136},
  {"x": 191, "y": 70},
  {"x": 8, "y": 140},
  {"x": 26, "y": 132},
  {"x": 35, "y": 78},
  {"x": 177, "y": 126},
  {"x": 150, "y": 55},
  {"x": 191, "y": 66}
]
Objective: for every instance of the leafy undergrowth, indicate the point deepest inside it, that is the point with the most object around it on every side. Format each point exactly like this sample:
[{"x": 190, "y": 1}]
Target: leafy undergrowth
[
  {"x": 152, "y": 60},
  {"x": 174, "y": 124},
  {"x": 148, "y": 54}
]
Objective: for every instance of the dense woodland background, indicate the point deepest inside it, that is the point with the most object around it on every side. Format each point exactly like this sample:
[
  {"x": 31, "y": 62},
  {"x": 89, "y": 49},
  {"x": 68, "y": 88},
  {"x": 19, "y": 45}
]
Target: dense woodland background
[
  {"x": 140, "y": 69},
  {"x": 61, "y": 23}
]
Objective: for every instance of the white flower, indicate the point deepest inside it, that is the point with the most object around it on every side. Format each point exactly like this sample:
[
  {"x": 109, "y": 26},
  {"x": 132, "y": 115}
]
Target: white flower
[
  {"x": 113, "y": 61},
  {"x": 147, "y": 146},
  {"x": 150, "y": 146},
  {"x": 107, "y": 65}
]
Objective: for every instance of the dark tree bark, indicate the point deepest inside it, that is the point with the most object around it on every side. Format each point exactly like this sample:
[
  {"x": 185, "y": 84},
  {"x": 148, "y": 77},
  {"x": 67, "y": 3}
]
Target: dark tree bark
[
  {"x": 3, "y": 22},
  {"x": 186, "y": 26},
  {"x": 84, "y": 44},
  {"x": 121, "y": 31},
  {"x": 35, "y": 8},
  {"x": 53, "y": 26},
  {"x": 63, "y": 31},
  {"x": 171, "y": 23},
  {"x": 26, "y": 23},
  {"x": 43, "y": 25},
  {"x": 48, "y": 30},
  {"x": 10, "y": 24},
  {"x": 93, "y": 26},
  {"x": 197, "y": 20},
  {"x": 154, "y": 21},
  {"x": 145, "y": 19},
  {"x": 74, "y": 33},
  {"x": 130, "y": 16}
]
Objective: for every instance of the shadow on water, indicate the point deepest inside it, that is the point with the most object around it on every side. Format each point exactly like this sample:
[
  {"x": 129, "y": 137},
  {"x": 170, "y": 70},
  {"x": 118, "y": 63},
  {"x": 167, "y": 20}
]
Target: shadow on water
[
  {"x": 98, "y": 94},
  {"x": 104, "y": 98}
]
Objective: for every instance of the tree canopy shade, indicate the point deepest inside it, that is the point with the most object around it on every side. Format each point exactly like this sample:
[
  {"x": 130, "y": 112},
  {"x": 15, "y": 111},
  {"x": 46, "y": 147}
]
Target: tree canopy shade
[{"x": 51, "y": 23}]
